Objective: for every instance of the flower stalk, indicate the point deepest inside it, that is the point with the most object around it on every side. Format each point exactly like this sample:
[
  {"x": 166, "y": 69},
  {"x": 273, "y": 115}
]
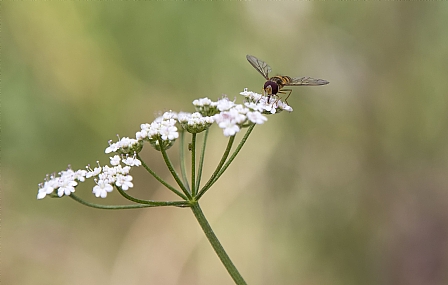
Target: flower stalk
[
  {"x": 193, "y": 164},
  {"x": 182, "y": 157},
  {"x": 201, "y": 160},
  {"x": 208, "y": 231}
]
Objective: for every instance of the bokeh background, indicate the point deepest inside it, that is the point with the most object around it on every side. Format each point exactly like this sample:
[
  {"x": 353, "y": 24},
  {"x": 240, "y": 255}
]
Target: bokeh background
[{"x": 350, "y": 188}]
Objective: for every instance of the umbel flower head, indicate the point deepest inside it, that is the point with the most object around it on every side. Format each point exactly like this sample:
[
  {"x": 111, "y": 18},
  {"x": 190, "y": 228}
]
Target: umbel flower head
[
  {"x": 64, "y": 182},
  {"x": 194, "y": 123},
  {"x": 263, "y": 104},
  {"x": 162, "y": 129},
  {"x": 161, "y": 135}
]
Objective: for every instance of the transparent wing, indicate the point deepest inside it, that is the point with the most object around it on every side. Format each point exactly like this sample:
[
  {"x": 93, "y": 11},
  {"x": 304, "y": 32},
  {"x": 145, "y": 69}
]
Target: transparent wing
[
  {"x": 259, "y": 65},
  {"x": 306, "y": 81}
]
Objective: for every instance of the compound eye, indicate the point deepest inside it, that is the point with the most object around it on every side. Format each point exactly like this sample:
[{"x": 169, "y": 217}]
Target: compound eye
[{"x": 271, "y": 87}]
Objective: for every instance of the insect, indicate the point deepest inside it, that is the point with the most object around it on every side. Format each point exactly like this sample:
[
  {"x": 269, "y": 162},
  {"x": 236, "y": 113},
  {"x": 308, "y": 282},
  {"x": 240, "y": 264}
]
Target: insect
[{"x": 276, "y": 83}]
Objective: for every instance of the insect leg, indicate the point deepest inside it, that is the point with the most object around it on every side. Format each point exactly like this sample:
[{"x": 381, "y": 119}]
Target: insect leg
[{"x": 283, "y": 92}]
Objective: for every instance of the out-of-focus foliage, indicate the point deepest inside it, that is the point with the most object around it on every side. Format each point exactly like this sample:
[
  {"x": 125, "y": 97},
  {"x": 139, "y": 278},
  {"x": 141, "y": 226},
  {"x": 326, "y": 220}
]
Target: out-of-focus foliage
[{"x": 350, "y": 188}]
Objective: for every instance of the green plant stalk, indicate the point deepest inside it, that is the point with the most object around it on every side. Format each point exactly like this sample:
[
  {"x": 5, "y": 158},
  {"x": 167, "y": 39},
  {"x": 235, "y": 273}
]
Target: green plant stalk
[
  {"x": 158, "y": 178},
  {"x": 218, "y": 168},
  {"x": 172, "y": 170},
  {"x": 182, "y": 158},
  {"x": 148, "y": 202},
  {"x": 225, "y": 259},
  {"x": 201, "y": 160},
  {"x": 119, "y": 207},
  {"x": 193, "y": 164},
  {"x": 237, "y": 150}
]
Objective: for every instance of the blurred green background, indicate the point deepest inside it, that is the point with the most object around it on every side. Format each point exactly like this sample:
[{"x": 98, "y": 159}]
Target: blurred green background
[{"x": 350, "y": 188}]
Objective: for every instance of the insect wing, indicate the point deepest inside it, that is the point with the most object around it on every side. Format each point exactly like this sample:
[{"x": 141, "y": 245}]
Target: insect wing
[
  {"x": 259, "y": 65},
  {"x": 306, "y": 81}
]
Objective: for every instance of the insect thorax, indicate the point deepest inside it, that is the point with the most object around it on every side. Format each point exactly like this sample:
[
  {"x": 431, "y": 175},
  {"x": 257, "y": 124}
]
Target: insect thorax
[{"x": 281, "y": 80}]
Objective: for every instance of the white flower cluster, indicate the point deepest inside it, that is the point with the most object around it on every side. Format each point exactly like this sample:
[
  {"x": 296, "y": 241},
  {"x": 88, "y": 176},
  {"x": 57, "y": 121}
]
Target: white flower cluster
[
  {"x": 235, "y": 116},
  {"x": 205, "y": 106},
  {"x": 264, "y": 104},
  {"x": 125, "y": 146},
  {"x": 228, "y": 115},
  {"x": 231, "y": 117},
  {"x": 164, "y": 128},
  {"x": 104, "y": 177},
  {"x": 64, "y": 184},
  {"x": 194, "y": 123},
  {"x": 118, "y": 175}
]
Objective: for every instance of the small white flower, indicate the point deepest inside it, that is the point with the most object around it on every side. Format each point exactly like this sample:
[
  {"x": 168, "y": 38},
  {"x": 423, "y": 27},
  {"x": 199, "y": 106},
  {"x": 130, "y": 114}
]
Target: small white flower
[
  {"x": 115, "y": 160},
  {"x": 229, "y": 121},
  {"x": 111, "y": 171},
  {"x": 41, "y": 195},
  {"x": 47, "y": 188},
  {"x": 201, "y": 102},
  {"x": 268, "y": 105},
  {"x": 253, "y": 106},
  {"x": 238, "y": 114},
  {"x": 245, "y": 92},
  {"x": 125, "y": 170},
  {"x": 251, "y": 96},
  {"x": 102, "y": 188},
  {"x": 113, "y": 147},
  {"x": 66, "y": 186},
  {"x": 256, "y": 117},
  {"x": 240, "y": 109},
  {"x": 108, "y": 174},
  {"x": 127, "y": 142},
  {"x": 80, "y": 175},
  {"x": 168, "y": 133},
  {"x": 132, "y": 161},
  {"x": 169, "y": 115},
  {"x": 230, "y": 129},
  {"x": 284, "y": 106},
  {"x": 94, "y": 172},
  {"x": 183, "y": 117},
  {"x": 124, "y": 181},
  {"x": 67, "y": 174},
  {"x": 143, "y": 134},
  {"x": 225, "y": 104}
]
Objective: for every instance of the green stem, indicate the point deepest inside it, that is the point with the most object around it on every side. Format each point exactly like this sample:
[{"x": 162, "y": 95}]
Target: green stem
[
  {"x": 237, "y": 150},
  {"x": 161, "y": 180},
  {"x": 201, "y": 160},
  {"x": 119, "y": 207},
  {"x": 193, "y": 165},
  {"x": 225, "y": 259},
  {"x": 182, "y": 157},
  {"x": 151, "y": 202},
  {"x": 218, "y": 168},
  {"x": 172, "y": 170}
]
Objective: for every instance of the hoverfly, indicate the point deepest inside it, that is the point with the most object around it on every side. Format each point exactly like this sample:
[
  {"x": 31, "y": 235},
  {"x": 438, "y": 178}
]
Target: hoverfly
[{"x": 276, "y": 83}]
